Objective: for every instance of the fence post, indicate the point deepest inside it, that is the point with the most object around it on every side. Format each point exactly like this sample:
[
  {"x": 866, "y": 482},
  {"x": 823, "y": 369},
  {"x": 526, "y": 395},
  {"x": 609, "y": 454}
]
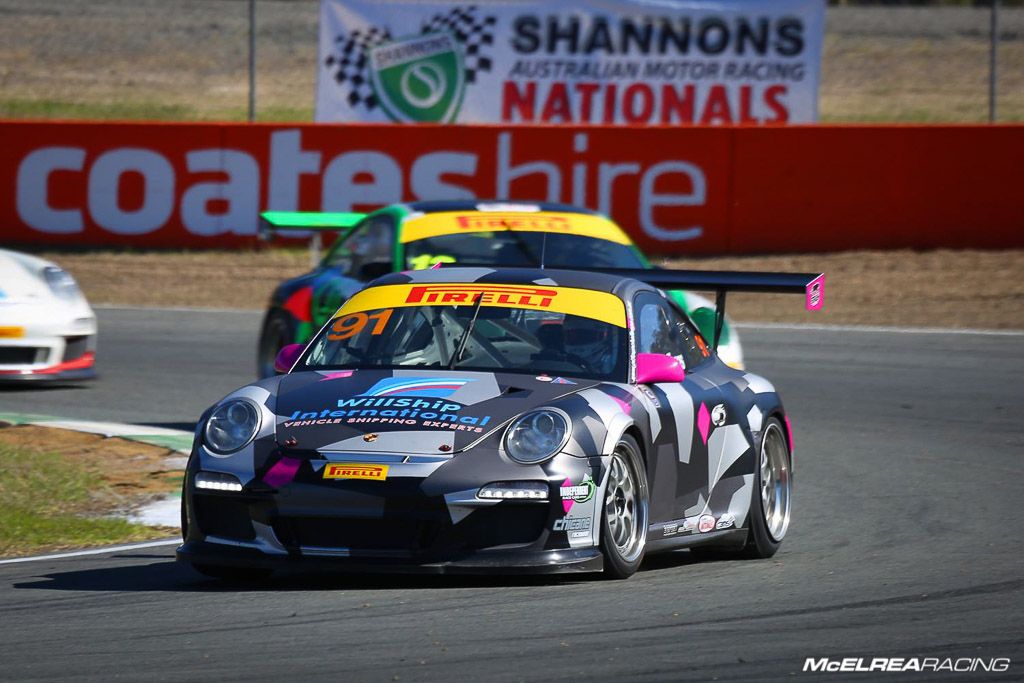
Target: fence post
[
  {"x": 992, "y": 60},
  {"x": 252, "y": 60}
]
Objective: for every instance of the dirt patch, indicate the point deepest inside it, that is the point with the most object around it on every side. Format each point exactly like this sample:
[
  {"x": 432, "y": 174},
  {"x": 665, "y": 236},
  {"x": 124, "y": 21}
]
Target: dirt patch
[
  {"x": 130, "y": 473},
  {"x": 929, "y": 289},
  {"x": 942, "y": 288}
]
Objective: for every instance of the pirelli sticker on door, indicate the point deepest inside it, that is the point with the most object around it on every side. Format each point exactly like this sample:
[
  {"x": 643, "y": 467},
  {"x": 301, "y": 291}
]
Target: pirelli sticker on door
[{"x": 349, "y": 470}]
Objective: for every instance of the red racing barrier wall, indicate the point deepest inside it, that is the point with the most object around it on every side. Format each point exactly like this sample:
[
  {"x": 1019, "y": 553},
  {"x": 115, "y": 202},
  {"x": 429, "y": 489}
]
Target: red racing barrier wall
[{"x": 677, "y": 190}]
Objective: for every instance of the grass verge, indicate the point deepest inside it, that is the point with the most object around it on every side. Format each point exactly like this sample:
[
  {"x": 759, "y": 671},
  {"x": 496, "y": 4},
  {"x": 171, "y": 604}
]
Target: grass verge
[{"x": 54, "y": 499}]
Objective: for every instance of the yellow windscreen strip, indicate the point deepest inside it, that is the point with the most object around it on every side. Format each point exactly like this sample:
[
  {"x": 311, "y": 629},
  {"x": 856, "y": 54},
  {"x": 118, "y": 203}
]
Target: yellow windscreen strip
[
  {"x": 466, "y": 222},
  {"x": 588, "y": 303}
]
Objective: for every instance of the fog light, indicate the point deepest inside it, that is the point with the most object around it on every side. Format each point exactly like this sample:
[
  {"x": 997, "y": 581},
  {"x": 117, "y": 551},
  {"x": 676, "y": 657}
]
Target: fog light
[
  {"x": 514, "y": 490},
  {"x": 216, "y": 481}
]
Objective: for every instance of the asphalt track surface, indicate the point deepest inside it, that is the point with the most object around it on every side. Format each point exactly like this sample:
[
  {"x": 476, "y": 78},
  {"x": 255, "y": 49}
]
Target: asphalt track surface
[{"x": 905, "y": 542}]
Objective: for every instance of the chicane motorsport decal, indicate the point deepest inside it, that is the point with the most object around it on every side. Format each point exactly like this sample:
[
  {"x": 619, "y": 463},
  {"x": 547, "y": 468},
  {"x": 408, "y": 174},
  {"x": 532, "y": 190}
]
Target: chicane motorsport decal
[
  {"x": 579, "y": 493},
  {"x": 399, "y": 401}
]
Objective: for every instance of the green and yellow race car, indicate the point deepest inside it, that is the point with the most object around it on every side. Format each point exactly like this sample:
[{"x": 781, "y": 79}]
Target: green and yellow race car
[{"x": 421, "y": 235}]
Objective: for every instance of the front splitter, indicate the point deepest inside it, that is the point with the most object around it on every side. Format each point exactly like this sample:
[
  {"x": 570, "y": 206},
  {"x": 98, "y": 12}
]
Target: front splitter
[{"x": 483, "y": 562}]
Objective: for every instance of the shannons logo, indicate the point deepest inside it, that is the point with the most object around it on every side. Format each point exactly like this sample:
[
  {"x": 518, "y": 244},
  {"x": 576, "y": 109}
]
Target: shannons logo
[
  {"x": 900, "y": 664},
  {"x": 419, "y": 78}
]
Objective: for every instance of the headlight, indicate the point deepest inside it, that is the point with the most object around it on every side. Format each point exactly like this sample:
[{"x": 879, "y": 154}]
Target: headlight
[
  {"x": 536, "y": 436},
  {"x": 232, "y": 425},
  {"x": 60, "y": 282}
]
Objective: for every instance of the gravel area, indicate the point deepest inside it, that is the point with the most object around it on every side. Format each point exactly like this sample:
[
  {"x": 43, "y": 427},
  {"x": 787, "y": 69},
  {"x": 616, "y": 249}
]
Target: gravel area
[{"x": 975, "y": 289}]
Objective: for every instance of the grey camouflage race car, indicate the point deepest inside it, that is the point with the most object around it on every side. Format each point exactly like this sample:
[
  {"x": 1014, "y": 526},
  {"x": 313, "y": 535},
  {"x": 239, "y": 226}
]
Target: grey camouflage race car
[{"x": 474, "y": 420}]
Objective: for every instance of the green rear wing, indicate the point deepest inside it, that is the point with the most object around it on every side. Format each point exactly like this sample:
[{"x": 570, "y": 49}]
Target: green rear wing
[
  {"x": 312, "y": 223},
  {"x": 272, "y": 222}
]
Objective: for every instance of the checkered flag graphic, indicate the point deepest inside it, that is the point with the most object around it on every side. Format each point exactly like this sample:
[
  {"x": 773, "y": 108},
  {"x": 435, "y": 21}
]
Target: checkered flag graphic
[
  {"x": 350, "y": 63},
  {"x": 473, "y": 32}
]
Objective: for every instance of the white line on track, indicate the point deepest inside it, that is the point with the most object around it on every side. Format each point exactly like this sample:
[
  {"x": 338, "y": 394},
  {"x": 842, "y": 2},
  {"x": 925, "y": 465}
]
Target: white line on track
[
  {"x": 880, "y": 329},
  {"x": 94, "y": 551},
  {"x": 175, "y": 309}
]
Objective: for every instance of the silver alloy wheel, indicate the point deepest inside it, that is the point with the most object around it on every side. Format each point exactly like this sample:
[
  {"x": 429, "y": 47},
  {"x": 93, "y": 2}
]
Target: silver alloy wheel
[
  {"x": 776, "y": 484},
  {"x": 625, "y": 508}
]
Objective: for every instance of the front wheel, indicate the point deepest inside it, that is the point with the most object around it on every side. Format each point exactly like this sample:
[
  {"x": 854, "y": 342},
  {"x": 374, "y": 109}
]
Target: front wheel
[
  {"x": 624, "y": 519},
  {"x": 278, "y": 331}
]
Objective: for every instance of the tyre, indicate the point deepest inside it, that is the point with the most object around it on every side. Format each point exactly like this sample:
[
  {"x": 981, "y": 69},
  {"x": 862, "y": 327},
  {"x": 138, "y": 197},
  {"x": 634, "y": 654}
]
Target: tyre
[
  {"x": 770, "y": 501},
  {"x": 625, "y": 511},
  {"x": 233, "y": 574},
  {"x": 278, "y": 330}
]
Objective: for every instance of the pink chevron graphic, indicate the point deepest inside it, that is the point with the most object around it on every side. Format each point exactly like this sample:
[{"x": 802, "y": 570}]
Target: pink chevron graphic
[
  {"x": 567, "y": 504},
  {"x": 341, "y": 374},
  {"x": 704, "y": 423}
]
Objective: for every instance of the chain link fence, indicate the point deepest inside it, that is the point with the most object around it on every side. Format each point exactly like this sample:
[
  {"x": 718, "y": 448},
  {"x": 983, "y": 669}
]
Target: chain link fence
[{"x": 189, "y": 60}]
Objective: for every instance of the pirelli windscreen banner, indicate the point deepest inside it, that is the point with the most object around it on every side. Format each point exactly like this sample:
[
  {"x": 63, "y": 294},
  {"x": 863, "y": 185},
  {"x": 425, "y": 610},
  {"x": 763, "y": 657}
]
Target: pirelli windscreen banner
[{"x": 630, "y": 62}]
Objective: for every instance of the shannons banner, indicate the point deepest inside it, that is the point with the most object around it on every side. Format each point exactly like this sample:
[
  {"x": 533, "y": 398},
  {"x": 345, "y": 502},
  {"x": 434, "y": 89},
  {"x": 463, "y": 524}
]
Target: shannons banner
[{"x": 653, "y": 62}]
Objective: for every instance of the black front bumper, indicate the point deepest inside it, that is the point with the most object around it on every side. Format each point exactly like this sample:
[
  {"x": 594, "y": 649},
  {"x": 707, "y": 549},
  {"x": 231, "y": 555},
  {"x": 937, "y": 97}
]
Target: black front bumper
[{"x": 374, "y": 526}]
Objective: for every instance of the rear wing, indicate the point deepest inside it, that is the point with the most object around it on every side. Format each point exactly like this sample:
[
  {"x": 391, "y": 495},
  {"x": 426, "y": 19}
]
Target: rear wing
[
  {"x": 316, "y": 223},
  {"x": 811, "y": 285}
]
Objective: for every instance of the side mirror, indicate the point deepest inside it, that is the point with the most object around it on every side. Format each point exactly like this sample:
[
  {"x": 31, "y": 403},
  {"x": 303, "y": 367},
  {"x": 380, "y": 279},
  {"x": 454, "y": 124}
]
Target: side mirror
[
  {"x": 286, "y": 357},
  {"x": 653, "y": 368}
]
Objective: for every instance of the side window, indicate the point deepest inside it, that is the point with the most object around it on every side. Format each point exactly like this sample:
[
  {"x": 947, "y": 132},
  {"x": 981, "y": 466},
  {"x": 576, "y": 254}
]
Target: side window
[
  {"x": 695, "y": 349},
  {"x": 661, "y": 329},
  {"x": 371, "y": 242},
  {"x": 655, "y": 332}
]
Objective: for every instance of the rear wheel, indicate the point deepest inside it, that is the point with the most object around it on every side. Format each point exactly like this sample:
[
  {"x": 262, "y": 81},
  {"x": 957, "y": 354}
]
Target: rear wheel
[
  {"x": 278, "y": 330},
  {"x": 624, "y": 519},
  {"x": 769, "y": 503},
  {"x": 233, "y": 574},
  {"x": 773, "y": 490}
]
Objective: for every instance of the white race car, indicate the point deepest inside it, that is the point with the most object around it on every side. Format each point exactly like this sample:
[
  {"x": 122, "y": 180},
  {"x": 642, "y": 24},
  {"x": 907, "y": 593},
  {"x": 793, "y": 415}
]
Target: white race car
[{"x": 47, "y": 329}]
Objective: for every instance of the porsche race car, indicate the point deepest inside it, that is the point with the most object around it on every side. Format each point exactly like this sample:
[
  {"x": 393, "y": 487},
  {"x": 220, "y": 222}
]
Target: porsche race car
[
  {"x": 479, "y": 419},
  {"x": 421, "y": 235},
  {"x": 47, "y": 329}
]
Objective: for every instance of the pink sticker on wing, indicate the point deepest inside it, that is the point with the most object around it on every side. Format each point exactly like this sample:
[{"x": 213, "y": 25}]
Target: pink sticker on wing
[
  {"x": 282, "y": 473},
  {"x": 622, "y": 404},
  {"x": 816, "y": 293}
]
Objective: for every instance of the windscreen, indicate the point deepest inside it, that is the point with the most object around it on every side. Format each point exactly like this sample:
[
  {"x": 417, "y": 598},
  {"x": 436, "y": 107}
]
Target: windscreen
[
  {"x": 496, "y": 328},
  {"x": 554, "y": 239},
  {"x": 513, "y": 249}
]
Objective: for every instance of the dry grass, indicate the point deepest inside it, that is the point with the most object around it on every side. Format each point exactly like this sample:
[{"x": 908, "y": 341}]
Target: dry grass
[
  {"x": 933, "y": 288},
  {"x": 188, "y": 60},
  {"x": 63, "y": 489}
]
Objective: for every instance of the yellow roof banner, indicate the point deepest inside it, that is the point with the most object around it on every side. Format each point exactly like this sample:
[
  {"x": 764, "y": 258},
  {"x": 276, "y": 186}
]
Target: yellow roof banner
[
  {"x": 588, "y": 303},
  {"x": 464, "y": 222}
]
